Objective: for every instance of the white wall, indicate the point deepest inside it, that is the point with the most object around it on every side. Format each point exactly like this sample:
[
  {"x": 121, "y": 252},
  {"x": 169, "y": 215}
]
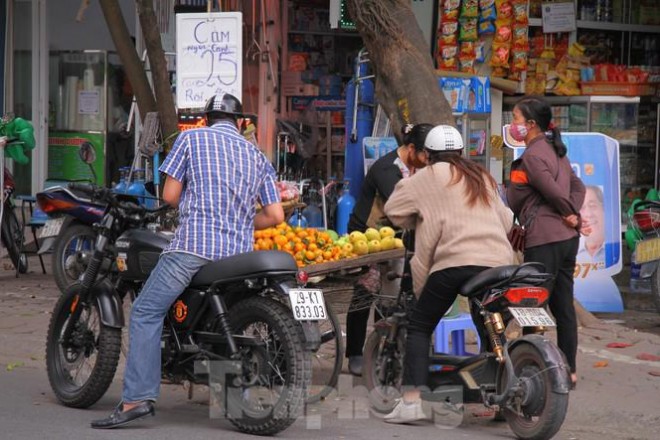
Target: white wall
[{"x": 65, "y": 33}]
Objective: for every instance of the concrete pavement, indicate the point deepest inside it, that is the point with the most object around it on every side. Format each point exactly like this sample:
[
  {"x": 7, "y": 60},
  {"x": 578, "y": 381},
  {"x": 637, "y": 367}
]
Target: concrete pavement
[{"x": 618, "y": 395}]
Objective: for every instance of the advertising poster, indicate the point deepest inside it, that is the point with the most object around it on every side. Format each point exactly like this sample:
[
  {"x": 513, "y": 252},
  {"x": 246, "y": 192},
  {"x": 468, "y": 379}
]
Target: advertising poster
[
  {"x": 595, "y": 159},
  {"x": 374, "y": 148},
  {"x": 64, "y": 162},
  {"x": 209, "y": 53}
]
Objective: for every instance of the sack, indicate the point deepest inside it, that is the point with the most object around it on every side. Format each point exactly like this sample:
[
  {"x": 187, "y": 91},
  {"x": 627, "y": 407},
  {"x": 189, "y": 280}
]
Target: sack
[{"x": 516, "y": 237}]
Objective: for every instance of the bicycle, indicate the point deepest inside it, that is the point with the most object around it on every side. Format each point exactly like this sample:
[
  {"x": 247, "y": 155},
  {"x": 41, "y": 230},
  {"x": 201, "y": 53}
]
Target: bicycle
[{"x": 11, "y": 231}]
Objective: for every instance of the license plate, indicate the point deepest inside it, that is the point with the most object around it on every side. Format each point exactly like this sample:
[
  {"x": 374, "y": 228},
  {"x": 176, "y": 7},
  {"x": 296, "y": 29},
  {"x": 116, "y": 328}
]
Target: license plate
[
  {"x": 647, "y": 250},
  {"x": 532, "y": 316},
  {"x": 308, "y": 304},
  {"x": 51, "y": 228}
]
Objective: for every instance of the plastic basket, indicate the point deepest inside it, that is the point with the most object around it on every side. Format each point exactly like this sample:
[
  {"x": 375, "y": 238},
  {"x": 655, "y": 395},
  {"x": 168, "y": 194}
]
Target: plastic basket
[{"x": 617, "y": 88}]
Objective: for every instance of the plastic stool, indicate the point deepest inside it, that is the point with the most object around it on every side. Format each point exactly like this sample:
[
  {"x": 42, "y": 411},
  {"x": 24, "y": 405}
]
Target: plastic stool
[{"x": 454, "y": 326}]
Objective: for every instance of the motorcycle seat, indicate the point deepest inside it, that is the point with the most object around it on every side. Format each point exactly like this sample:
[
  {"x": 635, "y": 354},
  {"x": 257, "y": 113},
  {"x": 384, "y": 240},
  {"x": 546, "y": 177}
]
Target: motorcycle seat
[
  {"x": 247, "y": 265},
  {"x": 494, "y": 275}
]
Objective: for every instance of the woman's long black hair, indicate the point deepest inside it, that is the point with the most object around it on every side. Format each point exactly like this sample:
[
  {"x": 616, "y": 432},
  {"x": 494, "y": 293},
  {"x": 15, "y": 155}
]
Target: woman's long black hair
[
  {"x": 538, "y": 110},
  {"x": 416, "y": 135}
]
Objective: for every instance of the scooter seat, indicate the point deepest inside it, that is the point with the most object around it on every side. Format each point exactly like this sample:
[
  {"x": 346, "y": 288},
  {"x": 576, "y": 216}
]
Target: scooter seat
[
  {"x": 494, "y": 275},
  {"x": 247, "y": 265}
]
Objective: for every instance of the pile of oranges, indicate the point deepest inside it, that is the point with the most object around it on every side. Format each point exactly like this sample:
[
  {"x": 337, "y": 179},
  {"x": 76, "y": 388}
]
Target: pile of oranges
[{"x": 307, "y": 245}]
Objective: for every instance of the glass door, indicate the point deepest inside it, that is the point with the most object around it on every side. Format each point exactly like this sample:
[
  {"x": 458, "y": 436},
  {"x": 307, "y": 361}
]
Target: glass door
[{"x": 21, "y": 81}]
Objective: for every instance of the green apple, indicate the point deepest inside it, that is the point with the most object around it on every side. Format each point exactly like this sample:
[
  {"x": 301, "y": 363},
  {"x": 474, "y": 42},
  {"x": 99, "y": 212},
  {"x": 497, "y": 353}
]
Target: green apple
[{"x": 333, "y": 235}]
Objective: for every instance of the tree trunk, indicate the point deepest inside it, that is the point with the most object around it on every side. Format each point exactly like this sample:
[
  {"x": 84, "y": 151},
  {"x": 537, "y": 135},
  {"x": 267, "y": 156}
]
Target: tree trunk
[
  {"x": 129, "y": 57},
  {"x": 584, "y": 317},
  {"x": 158, "y": 64},
  {"x": 406, "y": 84}
]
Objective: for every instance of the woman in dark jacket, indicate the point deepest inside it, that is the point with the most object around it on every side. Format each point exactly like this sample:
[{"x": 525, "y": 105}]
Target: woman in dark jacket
[{"x": 546, "y": 196}]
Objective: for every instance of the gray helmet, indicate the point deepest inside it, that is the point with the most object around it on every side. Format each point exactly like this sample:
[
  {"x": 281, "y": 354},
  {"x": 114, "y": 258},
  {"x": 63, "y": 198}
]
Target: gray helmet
[{"x": 224, "y": 104}]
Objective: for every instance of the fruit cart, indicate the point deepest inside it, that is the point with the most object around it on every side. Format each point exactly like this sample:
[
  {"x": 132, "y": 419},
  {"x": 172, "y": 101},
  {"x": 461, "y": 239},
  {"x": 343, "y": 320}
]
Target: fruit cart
[{"x": 351, "y": 265}]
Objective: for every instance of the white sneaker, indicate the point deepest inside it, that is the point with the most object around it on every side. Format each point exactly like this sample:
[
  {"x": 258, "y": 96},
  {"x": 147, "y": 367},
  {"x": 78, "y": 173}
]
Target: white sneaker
[{"x": 406, "y": 412}]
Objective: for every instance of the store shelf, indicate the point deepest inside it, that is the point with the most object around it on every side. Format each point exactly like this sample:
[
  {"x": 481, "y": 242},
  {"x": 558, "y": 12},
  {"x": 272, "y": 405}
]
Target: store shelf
[
  {"x": 326, "y": 33},
  {"x": 620, "y": 27}
]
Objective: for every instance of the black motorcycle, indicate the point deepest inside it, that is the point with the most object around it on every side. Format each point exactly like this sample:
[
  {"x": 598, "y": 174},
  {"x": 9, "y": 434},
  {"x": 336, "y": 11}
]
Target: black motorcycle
[
  {"x": 526, "y": 379},
  {"x": 245, "y": 311}
]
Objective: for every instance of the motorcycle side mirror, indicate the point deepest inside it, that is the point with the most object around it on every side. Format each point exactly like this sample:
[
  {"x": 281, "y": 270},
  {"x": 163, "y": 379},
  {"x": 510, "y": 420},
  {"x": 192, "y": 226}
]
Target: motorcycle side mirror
[{"x": 87, "y": 153}]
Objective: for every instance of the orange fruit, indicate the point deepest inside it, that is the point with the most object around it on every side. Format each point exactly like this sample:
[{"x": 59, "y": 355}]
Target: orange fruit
[
  {"x": 327, "y": 255},
  {"x": 267, "y": 244},
  {"x": 312, "y": 247},
  {"x": 258, "y": 234},
  {"x": 280, "y": 240},
  {"x": 319, "y": 259},
  {"x": 290, "y": 235},
  {"x": 310, "y": 255}
]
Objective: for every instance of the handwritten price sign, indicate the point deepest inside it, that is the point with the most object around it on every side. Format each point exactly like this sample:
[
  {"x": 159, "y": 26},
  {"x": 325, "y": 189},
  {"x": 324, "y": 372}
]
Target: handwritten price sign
[{"x": 209, "y": 50}]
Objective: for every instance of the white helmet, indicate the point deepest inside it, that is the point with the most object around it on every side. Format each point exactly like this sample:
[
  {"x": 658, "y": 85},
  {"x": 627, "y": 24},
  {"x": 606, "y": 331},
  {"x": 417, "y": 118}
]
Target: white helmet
[{"x": 443, "y": 138}]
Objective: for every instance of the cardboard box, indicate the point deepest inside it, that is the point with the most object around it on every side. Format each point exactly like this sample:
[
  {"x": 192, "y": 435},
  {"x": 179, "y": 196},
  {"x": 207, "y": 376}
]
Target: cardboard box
[
  {"x": 454, "y": 90},
  {"x": 471, "y": 95},
  {"x": 478, "y": 96}
]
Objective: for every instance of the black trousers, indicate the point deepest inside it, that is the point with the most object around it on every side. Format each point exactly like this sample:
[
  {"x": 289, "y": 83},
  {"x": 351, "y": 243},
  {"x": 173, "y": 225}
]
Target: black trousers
[
  {"x": 436, "y": 298},
  {"x": 357, "y": 319},
  {"x": 559, "y": 260}
]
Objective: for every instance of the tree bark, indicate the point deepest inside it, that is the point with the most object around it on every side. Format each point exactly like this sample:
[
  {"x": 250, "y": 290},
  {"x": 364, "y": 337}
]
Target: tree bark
[
  {"x": 129, "y": 57},
  {"x": 158, "y": 64},
  {"x": 406, "y": 83},
  {"x": 584, "y": 317}
]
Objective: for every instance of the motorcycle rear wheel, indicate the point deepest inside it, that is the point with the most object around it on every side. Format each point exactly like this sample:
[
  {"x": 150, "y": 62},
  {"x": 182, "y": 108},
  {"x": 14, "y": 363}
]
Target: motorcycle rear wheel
[
  {"x": 91, "y": 342},
  {"x": 74, "y": 239},
  {"x": 279, "y": 364},
  {"x": 12, "y": 238},
  {"x": 383, "y": 370},
  {"x": 544, "y": 413}
]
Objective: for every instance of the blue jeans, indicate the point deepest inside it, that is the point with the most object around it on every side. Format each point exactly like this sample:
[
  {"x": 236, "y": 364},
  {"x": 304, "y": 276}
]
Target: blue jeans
[{"x": 167, "y": 281}]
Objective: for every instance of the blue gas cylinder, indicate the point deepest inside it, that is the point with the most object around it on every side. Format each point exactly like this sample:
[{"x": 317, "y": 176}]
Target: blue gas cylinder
[
  {"x": 312, "y": 212},
  {"x": 137, "y": 188},
  {"x": 354, "y": 162},
  {"x": 297, "y": 219},
  {"x": 345, "y": 206},
  {"x": 121, "y": 187}
]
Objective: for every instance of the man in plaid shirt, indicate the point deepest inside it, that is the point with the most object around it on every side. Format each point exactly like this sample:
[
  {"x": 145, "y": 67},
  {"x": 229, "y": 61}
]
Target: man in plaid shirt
[{"x": 215, "y": 177}]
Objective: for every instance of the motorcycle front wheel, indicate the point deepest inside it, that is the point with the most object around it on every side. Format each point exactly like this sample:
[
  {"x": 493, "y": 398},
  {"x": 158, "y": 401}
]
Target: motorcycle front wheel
[
  {"x": 383, "y": 369},
  {"x": 80, "y": 367},
  {"x": 269, "y": 394},
  {"x": 539, "y": 412}
]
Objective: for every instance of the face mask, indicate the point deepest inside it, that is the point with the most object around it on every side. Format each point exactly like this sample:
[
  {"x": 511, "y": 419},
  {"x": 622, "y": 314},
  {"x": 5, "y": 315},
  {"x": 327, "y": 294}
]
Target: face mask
[{"x": 518, "y": 132}]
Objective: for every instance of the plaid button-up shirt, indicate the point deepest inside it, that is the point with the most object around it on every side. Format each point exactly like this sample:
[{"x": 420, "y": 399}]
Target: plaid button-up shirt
[{"x": 223, "y": 177}]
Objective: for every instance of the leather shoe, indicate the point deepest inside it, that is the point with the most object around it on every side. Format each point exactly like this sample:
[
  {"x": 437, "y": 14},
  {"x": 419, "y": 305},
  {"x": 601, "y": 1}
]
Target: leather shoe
[{"x": 120, "y": 418}]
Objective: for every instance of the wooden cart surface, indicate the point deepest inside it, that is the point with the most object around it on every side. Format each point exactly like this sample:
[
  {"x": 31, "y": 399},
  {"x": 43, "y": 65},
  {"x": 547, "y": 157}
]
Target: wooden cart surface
[{"x": 348, "y": 264}]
